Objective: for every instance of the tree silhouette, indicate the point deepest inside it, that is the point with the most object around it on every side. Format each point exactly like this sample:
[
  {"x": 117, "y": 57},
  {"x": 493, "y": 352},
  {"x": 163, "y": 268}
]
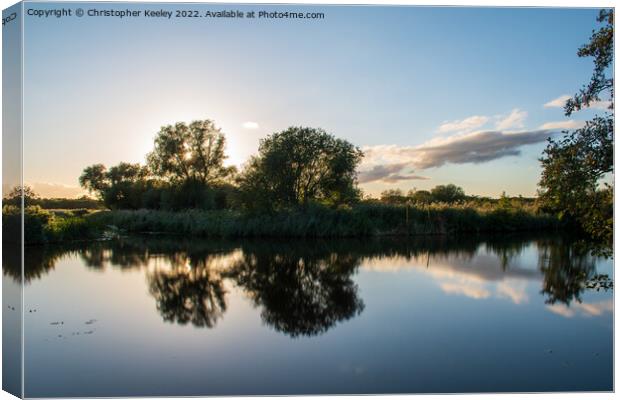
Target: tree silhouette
[
  {"x": 301, "y": 293},
  {"x": 193, "y": 152},
  {"x": 300, "y": 165},
  {"x": 191, "y": 292}
]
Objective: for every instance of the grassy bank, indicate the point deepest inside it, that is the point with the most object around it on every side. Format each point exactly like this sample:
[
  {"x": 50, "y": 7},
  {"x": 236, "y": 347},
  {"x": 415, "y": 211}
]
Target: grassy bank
[
  {"x": 361, "y": 220},
  {"x": 45, "y": 226}
]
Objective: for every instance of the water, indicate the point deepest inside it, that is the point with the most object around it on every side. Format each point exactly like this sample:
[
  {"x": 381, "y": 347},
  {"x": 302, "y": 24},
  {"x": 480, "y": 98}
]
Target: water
[{"x": 167, "y": 316}]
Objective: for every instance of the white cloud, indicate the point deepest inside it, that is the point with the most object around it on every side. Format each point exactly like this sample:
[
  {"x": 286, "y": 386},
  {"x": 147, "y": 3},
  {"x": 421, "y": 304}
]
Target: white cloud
[
  {"x": 389, "y": 173},
  {"x": 464, "y": 125},
  {"x": 474, "y": 147},
  {"x": 514, "y": 120},
  {"x": 558, "y": 102},
  {"x": 601, "y": 104},
  {"x": 250, "y": 125},
  {"x": 568, "y": 124}
]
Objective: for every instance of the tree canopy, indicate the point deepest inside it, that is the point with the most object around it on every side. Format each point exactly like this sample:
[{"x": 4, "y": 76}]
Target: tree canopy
[
  {"x": 447, "y": 193},
  {"x": 119, "y": 186},
  {"x": 575, "y": 166},
  {"x": 301, "y": 165},
  {"x": 190, "y": 152},
  {"x": 184, "y": 170}
]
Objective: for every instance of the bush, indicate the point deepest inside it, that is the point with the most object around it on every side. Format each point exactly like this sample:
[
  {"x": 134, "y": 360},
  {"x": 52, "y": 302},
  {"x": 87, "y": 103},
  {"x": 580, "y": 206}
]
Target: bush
[{"x": 41, "y": 226}]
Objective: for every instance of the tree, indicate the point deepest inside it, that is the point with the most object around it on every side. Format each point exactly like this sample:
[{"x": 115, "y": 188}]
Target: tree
[
  {"x": 420, "y": 196},
  {"x": 120, "y": 186},
  {"x": 94, "y": 179},
  {"x": 575, "y": 165},
  {"x": 190, "y": 153},
  {"x": 14, "y": 198},
  {"x": 447, "y": 193},
  {"x": 393, "y": 196},
  {"x": 298, "y": 166}
]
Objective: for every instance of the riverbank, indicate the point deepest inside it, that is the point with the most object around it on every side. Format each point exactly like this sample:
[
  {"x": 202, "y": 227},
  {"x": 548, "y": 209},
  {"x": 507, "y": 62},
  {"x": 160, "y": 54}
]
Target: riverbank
[{"x": 362, "y": 220}]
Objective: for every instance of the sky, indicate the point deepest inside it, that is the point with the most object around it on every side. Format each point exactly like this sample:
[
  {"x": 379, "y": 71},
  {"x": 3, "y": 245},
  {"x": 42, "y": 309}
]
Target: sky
[{"x": 431, "y": 95}]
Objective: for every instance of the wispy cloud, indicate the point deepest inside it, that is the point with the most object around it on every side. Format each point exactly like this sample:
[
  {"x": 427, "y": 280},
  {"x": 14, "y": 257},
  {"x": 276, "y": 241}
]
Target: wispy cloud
[
  {"x": 558, "y": 102},
  {"x": 250, "y": 125},
  {"x": 474, "y": 147},
  {"x": 464, "y": 125},
  {"x": 568, "y": 124},
  {"x": 389, "y": 173},
  {"x": 514, "y": 120},
  {"x": 601, "y": 104}
]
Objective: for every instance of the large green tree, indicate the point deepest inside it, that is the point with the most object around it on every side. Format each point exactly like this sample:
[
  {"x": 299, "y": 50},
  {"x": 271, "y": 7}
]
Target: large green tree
[
  {"x": 298, "y": 166},
  {"x": 120, "y": 186},
  {"x": 447, "y": 193},
  {"x": 193, "y": 152},
  {"x": 576, "y": 165}
]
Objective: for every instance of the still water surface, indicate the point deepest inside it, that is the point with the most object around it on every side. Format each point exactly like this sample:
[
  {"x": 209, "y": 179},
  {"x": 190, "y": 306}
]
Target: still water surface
[{"x": 166, "y": 316}]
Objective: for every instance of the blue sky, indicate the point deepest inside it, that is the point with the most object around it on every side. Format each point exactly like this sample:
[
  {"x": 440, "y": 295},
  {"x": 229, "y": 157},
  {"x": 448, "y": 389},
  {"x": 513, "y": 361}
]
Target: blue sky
[{"x": 433, "y": 95}]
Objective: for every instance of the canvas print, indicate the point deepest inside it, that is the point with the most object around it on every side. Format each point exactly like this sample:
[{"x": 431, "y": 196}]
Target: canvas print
[{"x": 296, "y": 199}]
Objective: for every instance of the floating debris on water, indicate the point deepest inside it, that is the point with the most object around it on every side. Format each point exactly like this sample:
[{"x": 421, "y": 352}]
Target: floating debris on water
[{"x": 90, "y": 321}]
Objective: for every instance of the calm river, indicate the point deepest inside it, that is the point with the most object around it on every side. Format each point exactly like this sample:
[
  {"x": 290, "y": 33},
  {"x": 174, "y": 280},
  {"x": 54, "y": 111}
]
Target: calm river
[{"x": 153, "y": 316}]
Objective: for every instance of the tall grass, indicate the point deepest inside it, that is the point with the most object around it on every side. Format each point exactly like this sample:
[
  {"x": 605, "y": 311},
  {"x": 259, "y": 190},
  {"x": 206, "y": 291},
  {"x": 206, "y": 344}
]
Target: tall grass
[{"x": 360, "y": 220}]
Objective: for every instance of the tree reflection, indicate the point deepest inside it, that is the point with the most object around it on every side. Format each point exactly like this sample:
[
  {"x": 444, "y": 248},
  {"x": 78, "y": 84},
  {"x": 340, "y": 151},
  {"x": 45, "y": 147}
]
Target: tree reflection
[
  {"x": 38, "y": 261},
  {"x": 190, "y": 292},
  {"x": 567, "y": 270},
  {"x": 302, "y": 290}
]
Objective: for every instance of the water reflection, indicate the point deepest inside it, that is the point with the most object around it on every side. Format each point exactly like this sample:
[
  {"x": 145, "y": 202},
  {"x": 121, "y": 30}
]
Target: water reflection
[
  {"x": 303, "y": 288},
  {"x": 191, "y": 291},
  {"x": 567, "y": 271}
]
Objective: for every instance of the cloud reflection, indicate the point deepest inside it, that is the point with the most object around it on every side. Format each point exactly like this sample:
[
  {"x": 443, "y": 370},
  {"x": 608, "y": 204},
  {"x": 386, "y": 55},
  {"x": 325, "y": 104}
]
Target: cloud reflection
[{"x": 582, "y": 309}]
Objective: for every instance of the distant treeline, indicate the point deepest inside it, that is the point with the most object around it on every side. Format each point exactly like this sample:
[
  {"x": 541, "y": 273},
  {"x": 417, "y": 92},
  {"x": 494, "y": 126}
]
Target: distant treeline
[
  {"x": 30, "y": 198},
  {"x": 450, "y": 194}
]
